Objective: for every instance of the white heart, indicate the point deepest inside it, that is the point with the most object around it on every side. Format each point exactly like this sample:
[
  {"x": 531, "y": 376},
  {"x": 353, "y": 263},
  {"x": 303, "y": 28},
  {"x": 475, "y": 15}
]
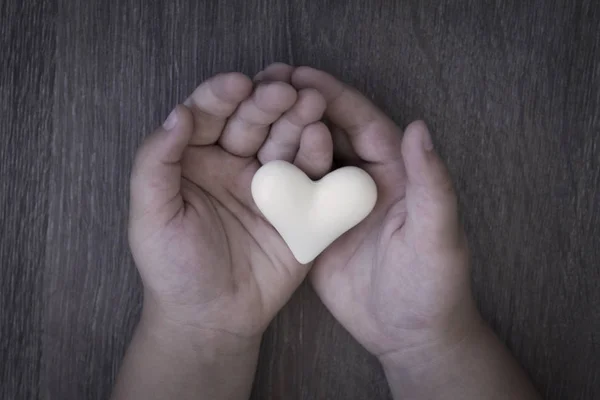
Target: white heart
[{"x": 309, "y": 215}]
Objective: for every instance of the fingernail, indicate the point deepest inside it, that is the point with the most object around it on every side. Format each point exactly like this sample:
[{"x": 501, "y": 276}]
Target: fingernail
[
  {"x": 426, "y": 140},
  {"x": 171, "y": 121}
]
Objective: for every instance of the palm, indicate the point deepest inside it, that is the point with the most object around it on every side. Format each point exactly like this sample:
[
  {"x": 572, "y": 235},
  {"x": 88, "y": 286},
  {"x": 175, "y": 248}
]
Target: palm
[
  {"x": 402, "y": 266},
  {"x": 199, "y": 241},
  {"x": 240, "y": 258},
  {"x": 390, "y": 256},
  {"x": 353, "y": 276}
]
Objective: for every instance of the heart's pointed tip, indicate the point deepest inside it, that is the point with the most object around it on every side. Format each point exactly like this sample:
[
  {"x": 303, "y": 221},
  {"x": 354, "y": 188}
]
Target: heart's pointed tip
[
  {"x": 305, "y": 260},
  {"x": 304, "y": 256}
]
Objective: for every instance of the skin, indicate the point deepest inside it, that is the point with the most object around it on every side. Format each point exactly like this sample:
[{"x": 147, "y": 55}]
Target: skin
[
  {"x": 399, "y": 282},
  {"x": 215, "y": 272}
]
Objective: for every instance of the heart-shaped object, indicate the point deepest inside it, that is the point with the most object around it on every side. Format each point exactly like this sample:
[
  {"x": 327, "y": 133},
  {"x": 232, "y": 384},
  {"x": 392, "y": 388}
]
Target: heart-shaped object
[{"x": 309, "y": 215}]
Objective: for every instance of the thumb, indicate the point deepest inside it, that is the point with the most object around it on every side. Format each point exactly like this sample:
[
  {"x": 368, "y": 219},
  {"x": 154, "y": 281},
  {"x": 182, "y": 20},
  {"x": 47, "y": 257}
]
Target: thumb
[
  {"x": 156, "y": 174},
  {"x": 431, "y": 199}
]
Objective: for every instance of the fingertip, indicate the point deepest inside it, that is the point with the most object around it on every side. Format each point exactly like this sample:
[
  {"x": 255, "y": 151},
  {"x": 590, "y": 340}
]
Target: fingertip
[
  {"x": 228, "y": 88},
  {"x": 310, "y": 106},
  {"x": 318, "y": 137},
  {"x": 278, "y": 65},
  {"x": 302, "y": 72},
  {"x": 420, "y": 128},
  {"x": 424, "y": 168},
  {"x": 166, "y": 144},
  {"x": 171, "y": 121},
  {"x": 259, "y": 76},
  {"x": 315, "y": 97},
  {"x": 276, "y": 71},
  {"x": 276, "y": 96},
  {"x": 184, "y": 115},
  {"x": 415, "y": 143},
  {"x": 235, "y": 86},
  {"x": 180, "y": 124},
  {"x": 308, "y": 77},
  {"x": 315, "y": 154},
  {"x": 302, "y": 76}
]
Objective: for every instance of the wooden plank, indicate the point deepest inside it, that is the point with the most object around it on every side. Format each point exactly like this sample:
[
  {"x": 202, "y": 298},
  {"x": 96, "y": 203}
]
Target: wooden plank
[
  {"x": 26, "y": 93},
  {"x": 106, "y": 95}
]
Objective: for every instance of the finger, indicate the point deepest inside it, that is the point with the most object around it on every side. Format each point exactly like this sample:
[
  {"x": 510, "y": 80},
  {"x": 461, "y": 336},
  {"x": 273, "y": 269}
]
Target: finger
[
  {"x": 316, "y": 151},
  {"x": 247, "y": 129},
  {"x": 374, "y": 137},
  {"x": 275, "y": 72},
  {"x": 213, "y": 102},
  {"x": 431, "y": 199},
  {"x": 156, "y": 174},
  {"x": 283, "y": 141}
]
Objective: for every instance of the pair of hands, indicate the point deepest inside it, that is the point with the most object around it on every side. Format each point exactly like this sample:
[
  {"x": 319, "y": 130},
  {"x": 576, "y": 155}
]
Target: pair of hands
[{"x": 209, "y": 261}]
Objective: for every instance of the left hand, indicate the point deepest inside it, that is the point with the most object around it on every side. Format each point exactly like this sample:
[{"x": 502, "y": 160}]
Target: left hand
[{"x": 207, "y": 258}]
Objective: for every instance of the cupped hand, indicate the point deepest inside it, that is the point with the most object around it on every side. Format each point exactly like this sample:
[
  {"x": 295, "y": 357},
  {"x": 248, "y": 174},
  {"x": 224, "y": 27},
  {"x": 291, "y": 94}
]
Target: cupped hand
[
  {"x": 207, "y": 258},
  {"x": 399, "y": 281}
]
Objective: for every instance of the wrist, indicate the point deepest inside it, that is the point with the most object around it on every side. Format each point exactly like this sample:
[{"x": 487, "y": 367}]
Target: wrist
[
  {"x": 476, "y": 367},
  {"x": 170, "y": 359},
  {"x": 429, "y": 370},
  {"x": 174, "y": 330},
  {"x": 436, "y": 347}
]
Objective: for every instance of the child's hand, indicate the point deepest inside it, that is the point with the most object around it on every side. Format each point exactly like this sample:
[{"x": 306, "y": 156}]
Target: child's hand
[
  {"x": 207, "y": 258},
  {"x": 400, "y": 280}
]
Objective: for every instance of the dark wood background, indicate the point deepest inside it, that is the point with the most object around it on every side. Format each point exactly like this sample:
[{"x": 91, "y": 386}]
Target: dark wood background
[{"x": 511, "y": 90}]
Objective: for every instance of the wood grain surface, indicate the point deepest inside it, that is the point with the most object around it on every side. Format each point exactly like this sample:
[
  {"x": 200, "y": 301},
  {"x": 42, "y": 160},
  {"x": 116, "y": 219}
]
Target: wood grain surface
[{"x": 511, "y": 90}]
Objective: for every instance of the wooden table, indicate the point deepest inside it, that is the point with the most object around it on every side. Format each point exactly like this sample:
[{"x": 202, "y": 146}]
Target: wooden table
[{"x": 510, "y": 88}]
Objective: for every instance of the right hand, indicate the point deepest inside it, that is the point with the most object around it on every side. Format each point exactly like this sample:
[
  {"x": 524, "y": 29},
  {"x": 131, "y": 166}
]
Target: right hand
[{"x": 399, "y": 281}]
